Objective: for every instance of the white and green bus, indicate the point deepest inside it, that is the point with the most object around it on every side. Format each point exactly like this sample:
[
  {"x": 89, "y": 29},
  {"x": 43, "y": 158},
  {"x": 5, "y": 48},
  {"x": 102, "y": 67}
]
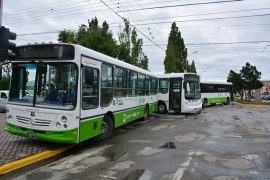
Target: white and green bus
[
  {"x": 78, "y": 93},
  {"x": 216, "y": 92},
  {"x": 179, "y": 92}
]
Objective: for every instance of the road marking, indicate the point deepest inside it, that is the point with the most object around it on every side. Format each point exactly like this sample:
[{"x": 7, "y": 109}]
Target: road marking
[
  {"x": 180, "y": 172},
  {"x": 68, "y": 164},
  {"x": 110, "y": 177}
]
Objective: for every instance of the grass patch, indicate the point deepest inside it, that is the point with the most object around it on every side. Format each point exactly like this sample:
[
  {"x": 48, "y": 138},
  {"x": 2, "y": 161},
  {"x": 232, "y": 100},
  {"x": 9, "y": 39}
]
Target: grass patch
[{"x": 250, "y": 102}]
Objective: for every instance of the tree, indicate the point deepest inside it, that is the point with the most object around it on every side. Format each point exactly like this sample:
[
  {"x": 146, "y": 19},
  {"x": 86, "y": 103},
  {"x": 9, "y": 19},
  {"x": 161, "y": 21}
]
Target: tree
[
  {"x": 192, "y": 67},
  {"x": 124, "y": 43},
  {"x": 247, "y": 79},
  {"x": 92, "y": 36},
  {"x": 251, "y": 77},
  {"x": 238, "y": 82},
  {"x": 4, "y": 83},
  {"x": 176, "y": 52},
  {"x": 130, "y": 47}
]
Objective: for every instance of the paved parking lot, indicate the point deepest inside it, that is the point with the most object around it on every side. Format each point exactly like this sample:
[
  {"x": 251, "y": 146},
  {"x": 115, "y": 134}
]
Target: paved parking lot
[{"x": 221, "y": 143}]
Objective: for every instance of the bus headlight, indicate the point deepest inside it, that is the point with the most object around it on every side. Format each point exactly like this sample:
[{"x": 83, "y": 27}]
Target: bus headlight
[
  {"x": 58, "y": 125},
  {"x": 64, "y": 119},
  {"x": 9, "y": 118}
]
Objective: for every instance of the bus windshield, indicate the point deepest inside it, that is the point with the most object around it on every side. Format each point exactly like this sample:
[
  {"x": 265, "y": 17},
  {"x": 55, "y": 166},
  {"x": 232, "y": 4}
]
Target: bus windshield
[
  {"x": 49, "y": 85},
  {"x": 192, "y": 90}
]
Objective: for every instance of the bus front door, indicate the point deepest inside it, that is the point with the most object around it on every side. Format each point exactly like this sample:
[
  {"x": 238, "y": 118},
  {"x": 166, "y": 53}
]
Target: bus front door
[{"x": 175, "y": 95}]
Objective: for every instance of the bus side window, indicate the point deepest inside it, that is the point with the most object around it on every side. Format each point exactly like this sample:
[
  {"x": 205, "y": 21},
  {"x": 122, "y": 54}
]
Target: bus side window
[
  {"x": 90, "y": 94},
  {"x": 106, "y": 84}
]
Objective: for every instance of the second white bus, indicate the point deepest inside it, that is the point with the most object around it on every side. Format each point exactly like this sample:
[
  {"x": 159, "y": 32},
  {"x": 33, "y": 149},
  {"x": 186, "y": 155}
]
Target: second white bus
[
  {"x": 216, "y": 92},
  {"x": 179, "y": 92}
]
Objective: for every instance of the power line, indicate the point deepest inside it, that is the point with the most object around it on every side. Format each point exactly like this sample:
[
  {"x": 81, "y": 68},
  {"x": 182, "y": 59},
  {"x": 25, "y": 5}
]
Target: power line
[
  {"x": 192, "y": 4},
  {"x": 132, "y": 25}
]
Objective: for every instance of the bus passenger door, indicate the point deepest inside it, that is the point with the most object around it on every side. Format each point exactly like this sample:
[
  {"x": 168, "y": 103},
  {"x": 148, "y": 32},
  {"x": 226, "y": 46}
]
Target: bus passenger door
[{"x": 175, "y": 95}]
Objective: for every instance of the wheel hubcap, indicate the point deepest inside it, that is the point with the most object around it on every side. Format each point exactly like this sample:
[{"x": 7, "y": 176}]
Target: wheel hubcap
[{"x": 104, "y": 128}]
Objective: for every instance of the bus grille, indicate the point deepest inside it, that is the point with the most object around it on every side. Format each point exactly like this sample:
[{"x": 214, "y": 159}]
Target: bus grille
[{"x": 33, "y": 121}]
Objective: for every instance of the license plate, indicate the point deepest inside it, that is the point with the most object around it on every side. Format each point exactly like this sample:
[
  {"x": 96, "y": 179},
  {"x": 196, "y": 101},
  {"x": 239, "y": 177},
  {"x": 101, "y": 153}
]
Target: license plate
[{"x": 32, "y": 136}]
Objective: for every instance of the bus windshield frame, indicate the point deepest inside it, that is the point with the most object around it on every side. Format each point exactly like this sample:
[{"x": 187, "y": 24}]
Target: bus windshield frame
[{"x": 44, "y": 84}]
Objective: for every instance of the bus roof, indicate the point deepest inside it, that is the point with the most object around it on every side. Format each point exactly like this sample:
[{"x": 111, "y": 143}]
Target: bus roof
[
  {"x": 105, "y": 58},
  {"x": 96, "y": 56},
  {"x": 216, "y": 82},
  {"x": 174, "y": 75}
]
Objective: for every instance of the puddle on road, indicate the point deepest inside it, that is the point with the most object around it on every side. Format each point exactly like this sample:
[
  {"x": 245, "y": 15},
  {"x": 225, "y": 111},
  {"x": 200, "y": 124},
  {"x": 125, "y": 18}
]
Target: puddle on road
[
  {"x": 141, "y": 174},
  {"x": 235, "y": 118},
  {"x": 169, "y": 145}
]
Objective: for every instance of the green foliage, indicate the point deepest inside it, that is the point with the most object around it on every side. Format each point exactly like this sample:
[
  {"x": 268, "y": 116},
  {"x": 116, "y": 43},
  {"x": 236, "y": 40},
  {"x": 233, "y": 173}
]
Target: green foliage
[
  {"x": 238, "y": 82},
  {"x": 176, "y": 52},
  {"x": 101, "y": 39},
  {"x": 130, "y": 48},
  {"x": 251, "y": 77},
  {"x": 92, "y": 36},
  {"x": 192, "y": 67},
  {"x": 247, "y": 79},
  {"x": 4, "y": 83}
]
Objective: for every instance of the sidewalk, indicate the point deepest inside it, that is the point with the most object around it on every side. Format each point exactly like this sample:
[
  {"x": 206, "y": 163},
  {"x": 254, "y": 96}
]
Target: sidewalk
[{"x": 16, "y": 151}]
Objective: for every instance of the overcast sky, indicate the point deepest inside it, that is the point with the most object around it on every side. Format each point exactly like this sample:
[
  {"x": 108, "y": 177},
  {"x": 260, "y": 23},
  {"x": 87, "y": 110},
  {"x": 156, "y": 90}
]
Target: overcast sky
[{"x": 225, "y": 34}]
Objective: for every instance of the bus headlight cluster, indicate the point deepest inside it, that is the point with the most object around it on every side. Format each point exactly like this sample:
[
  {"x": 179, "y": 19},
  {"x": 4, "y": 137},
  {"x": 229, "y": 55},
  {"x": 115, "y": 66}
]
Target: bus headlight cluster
[
  {"x": 9, "y": 118},
  {"x": 58, "y": 125},
  {"x": 61, "y": 123},
  {"x": 64, "y": 119}
]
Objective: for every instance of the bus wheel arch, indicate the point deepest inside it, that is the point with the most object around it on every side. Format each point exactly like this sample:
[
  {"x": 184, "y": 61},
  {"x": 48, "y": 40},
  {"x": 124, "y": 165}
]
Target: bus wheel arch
[
  {"x": 107, "y": 127},
  {"x": 146, "y": 112},
  {"x": 162, "y": 108},
  {"x": 205, "y": 102}
]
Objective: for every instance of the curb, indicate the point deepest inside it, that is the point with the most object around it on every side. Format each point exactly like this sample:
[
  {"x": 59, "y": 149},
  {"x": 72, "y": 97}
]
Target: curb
[
  {"x": 251, "y": 104},
  {"x": 44, "y": 156}
]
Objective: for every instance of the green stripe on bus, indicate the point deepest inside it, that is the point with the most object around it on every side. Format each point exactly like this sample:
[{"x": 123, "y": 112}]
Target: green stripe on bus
[
  {"x": 68, "y": 136},
  {"x": 217, "y": 100}
]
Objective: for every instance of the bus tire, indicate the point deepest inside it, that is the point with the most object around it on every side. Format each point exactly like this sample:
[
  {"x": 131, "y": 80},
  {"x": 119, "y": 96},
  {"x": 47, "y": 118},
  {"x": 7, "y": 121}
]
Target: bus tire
[
  {"x": 205, "y": 102},
  {"x": 106, "y": 129},
  {"x": 227, "y": 101},
  {"x": 146, "y": 113},
  {"x": 162, "y": 109}
]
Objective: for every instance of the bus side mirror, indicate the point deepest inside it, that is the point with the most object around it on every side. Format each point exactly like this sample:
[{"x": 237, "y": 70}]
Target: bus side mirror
[{"x": 89, "y": 76}]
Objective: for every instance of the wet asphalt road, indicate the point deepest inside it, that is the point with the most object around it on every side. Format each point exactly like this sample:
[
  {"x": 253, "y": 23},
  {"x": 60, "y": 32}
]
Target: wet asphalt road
[{"x": 221, "y": 143}]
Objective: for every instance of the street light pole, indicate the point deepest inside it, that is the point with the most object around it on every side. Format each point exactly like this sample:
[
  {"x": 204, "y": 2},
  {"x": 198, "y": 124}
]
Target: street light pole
[{"x": 187, "y": 60}]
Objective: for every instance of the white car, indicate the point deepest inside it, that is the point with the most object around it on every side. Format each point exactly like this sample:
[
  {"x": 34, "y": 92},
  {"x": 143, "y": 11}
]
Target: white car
[{"x": 3, "y": 100}]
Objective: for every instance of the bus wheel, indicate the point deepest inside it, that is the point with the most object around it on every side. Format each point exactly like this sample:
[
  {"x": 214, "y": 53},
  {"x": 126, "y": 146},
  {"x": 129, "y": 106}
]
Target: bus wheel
[
  {"x": 204, "y": 102},
  {"x": 162, "y": 108},
  {"x": 146, "y": 113},
  {"x": 227, "y": 101},
  {"x": 106, "y": 129}
]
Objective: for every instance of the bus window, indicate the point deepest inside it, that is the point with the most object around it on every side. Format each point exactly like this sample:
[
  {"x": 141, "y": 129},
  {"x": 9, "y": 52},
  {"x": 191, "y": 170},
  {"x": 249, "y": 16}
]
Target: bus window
[
  {"x": 90, "y": 89},
  {"x": 147, "y": 85},
  {"x": 163, "y": 86},
  {"x": 154, "y": 86},
  {"x": 106, "y": 85},
  {"x": 132, "y": 88},
  {"x": 141, "y": 85},
  {"x": 120, "y": 82}
]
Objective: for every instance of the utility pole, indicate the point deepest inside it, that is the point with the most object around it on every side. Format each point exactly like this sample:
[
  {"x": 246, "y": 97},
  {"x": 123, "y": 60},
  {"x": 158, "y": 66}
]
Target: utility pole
[{"x": 1, "y": 11}]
